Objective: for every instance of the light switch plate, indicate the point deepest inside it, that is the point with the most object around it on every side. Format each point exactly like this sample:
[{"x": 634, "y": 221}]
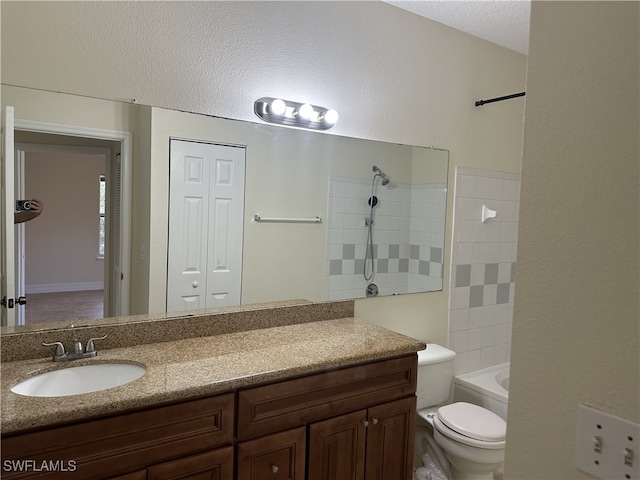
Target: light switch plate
[{"x": 607, "y": 447}]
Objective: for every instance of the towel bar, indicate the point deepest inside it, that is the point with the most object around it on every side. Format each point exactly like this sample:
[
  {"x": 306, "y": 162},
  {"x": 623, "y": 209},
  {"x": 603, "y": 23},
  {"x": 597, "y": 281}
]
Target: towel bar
[{"x": 259, "y": 218}]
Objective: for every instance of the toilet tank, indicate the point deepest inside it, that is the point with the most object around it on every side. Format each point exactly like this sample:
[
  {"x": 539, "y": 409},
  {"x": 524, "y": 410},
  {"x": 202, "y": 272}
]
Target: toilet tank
[{"x": 435, "y": 372}]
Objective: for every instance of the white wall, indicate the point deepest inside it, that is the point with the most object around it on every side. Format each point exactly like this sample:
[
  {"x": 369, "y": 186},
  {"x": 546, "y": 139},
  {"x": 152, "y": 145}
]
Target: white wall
[
  {"x": 392, "y": 76},
  {"x": 576, "y": 320}
]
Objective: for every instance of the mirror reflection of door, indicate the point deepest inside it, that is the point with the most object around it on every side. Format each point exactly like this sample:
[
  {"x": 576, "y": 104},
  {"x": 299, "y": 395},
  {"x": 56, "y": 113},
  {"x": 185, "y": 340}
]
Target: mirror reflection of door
[
  {"x": 61, "y": 253},
  {"x": 206, "y": 209}
]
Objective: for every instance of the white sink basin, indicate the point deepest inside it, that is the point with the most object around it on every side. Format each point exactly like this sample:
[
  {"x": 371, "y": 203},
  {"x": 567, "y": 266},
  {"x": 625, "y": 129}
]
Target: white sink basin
[{"x": 80, "y": 379}]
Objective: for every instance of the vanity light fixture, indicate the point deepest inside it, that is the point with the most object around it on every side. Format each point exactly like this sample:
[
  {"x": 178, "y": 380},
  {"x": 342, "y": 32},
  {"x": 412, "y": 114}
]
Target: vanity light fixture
[{"x": 293, "y": 114}]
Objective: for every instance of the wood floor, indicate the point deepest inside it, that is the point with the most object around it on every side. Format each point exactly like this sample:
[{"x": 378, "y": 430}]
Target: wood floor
[{"x": 52, "y": 307}]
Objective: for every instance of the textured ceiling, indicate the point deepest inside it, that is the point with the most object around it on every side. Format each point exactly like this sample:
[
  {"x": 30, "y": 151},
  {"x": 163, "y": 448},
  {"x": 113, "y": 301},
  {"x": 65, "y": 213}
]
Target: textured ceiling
[{"x": 505, "y": 23}]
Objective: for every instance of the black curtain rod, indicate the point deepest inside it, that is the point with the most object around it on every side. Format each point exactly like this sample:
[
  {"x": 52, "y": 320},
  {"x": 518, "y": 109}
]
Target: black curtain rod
[{"x": 498, "y": 99}]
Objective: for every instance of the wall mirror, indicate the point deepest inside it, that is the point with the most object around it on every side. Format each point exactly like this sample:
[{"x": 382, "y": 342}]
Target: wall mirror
[{"x": 378, "y": 231}]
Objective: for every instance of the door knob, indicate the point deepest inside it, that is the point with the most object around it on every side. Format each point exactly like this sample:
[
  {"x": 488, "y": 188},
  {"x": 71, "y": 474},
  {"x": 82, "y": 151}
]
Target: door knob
[{"x": 21, "y": 300}]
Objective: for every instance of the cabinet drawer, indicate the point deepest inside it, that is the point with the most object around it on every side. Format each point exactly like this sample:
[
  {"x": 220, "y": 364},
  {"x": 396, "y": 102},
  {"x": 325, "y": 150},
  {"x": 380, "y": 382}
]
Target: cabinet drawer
[
  {"x": 297, "y": 402},
  {"x": 214, "y": 465},
  {"x": 280, "y": 456},
  {"x": 108, "y": 447}
]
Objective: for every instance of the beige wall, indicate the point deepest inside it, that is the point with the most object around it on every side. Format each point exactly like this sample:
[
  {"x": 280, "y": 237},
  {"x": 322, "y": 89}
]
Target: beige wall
[
  {"x": 576, "y": 324},
  {"x": 392, "y": 76},
  {"x": 141, "y": 233},
  {"x": 43, "y": 106},
  {"x": 61, "y": 245}
]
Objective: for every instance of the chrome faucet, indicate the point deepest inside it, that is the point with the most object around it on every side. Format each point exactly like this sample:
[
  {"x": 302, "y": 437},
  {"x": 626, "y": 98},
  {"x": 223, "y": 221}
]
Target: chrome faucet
[{"x": 60, "y": 355}]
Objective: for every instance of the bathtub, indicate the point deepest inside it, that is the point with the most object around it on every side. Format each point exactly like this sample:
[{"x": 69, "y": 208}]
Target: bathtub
[{"x": 488, "y": 388}]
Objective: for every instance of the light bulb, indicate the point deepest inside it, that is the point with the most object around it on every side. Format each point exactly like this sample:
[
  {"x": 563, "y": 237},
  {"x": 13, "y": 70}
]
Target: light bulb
[
  {"x": 330, "y": 117},
  {"x": 278, "y": 107},
  {"x": 305, "y": 111}
]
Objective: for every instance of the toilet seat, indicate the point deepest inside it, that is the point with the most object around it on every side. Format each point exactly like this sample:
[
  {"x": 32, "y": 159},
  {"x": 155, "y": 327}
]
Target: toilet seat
[{"x": 471, "y": 425}]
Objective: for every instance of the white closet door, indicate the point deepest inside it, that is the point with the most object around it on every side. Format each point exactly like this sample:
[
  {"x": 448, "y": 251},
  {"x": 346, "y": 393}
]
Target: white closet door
[
  {"x": 226, "y": 226},
  {"x": 206, "y": 208}
]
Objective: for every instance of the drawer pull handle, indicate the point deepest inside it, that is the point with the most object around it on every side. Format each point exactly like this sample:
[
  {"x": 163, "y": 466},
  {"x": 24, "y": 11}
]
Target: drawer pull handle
[{"x": 274, "y": 468}]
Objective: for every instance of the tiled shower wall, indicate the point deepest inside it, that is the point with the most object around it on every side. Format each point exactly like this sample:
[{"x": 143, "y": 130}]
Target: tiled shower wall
[
  {"x": 483, "y": 268},
  {"x": 408, "y": 237}
]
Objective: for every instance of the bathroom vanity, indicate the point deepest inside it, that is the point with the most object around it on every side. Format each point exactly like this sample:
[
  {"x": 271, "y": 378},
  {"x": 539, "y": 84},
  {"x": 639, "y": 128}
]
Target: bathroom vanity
[{"x": 333, "y": 398}]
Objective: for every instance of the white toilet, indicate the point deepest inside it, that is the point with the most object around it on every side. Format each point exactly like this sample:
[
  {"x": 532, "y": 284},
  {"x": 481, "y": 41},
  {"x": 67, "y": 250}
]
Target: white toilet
[{"x": 472, "y": 437}]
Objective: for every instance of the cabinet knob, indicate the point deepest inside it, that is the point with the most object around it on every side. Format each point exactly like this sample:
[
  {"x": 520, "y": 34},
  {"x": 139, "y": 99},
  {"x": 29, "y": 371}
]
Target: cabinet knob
[
  {"x": 375, "y": 421},
  {"x": 195, "y": 284},
  {"x": 365, "y": 423},
  {"x": 274, "y": 468}
]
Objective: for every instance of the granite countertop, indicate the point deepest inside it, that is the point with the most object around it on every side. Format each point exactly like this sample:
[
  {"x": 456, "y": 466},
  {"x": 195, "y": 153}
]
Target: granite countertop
[{"x": 182, "y": 369}]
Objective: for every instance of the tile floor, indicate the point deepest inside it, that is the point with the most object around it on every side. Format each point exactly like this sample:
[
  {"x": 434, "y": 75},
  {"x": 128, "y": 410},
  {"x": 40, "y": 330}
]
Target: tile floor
[{"x": 51, "y": 307}]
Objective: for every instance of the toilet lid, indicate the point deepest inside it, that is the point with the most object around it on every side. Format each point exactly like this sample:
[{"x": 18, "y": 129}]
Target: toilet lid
[{"x": 473, "y": 421}]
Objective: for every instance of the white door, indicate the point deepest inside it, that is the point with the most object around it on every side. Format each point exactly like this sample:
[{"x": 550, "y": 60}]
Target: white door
[
  {"x": 19, "y": 245},
  {"x": 7, "y": 231},
  {"x": 206, "y": 210}
]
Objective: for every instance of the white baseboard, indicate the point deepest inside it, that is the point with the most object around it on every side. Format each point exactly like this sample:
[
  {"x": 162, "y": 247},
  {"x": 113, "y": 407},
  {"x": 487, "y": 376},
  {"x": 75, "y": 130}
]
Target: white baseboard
[{"x": 63, "y": 287}]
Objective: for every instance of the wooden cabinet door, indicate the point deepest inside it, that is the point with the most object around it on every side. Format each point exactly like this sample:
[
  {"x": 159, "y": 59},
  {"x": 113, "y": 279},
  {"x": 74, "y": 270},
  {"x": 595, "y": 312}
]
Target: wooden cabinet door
[
  {"x": 390, "y": 439},
  {"x": 337, "y": 448},
  {"x": 280, "y": 456},
  {"x": 213, "y": 465}
]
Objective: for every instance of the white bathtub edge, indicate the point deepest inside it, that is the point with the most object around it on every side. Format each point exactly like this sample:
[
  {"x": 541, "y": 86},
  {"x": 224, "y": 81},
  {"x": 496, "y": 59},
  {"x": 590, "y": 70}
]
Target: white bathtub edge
[{"x": 482, "y": 388}]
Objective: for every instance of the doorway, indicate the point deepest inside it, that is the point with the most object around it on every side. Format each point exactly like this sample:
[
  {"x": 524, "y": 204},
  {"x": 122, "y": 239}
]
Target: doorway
[{"x": 65, "y": 256}]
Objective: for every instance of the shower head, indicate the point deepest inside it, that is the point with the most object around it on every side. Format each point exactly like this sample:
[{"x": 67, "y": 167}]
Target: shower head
[{"x": 382, "y": 175}]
